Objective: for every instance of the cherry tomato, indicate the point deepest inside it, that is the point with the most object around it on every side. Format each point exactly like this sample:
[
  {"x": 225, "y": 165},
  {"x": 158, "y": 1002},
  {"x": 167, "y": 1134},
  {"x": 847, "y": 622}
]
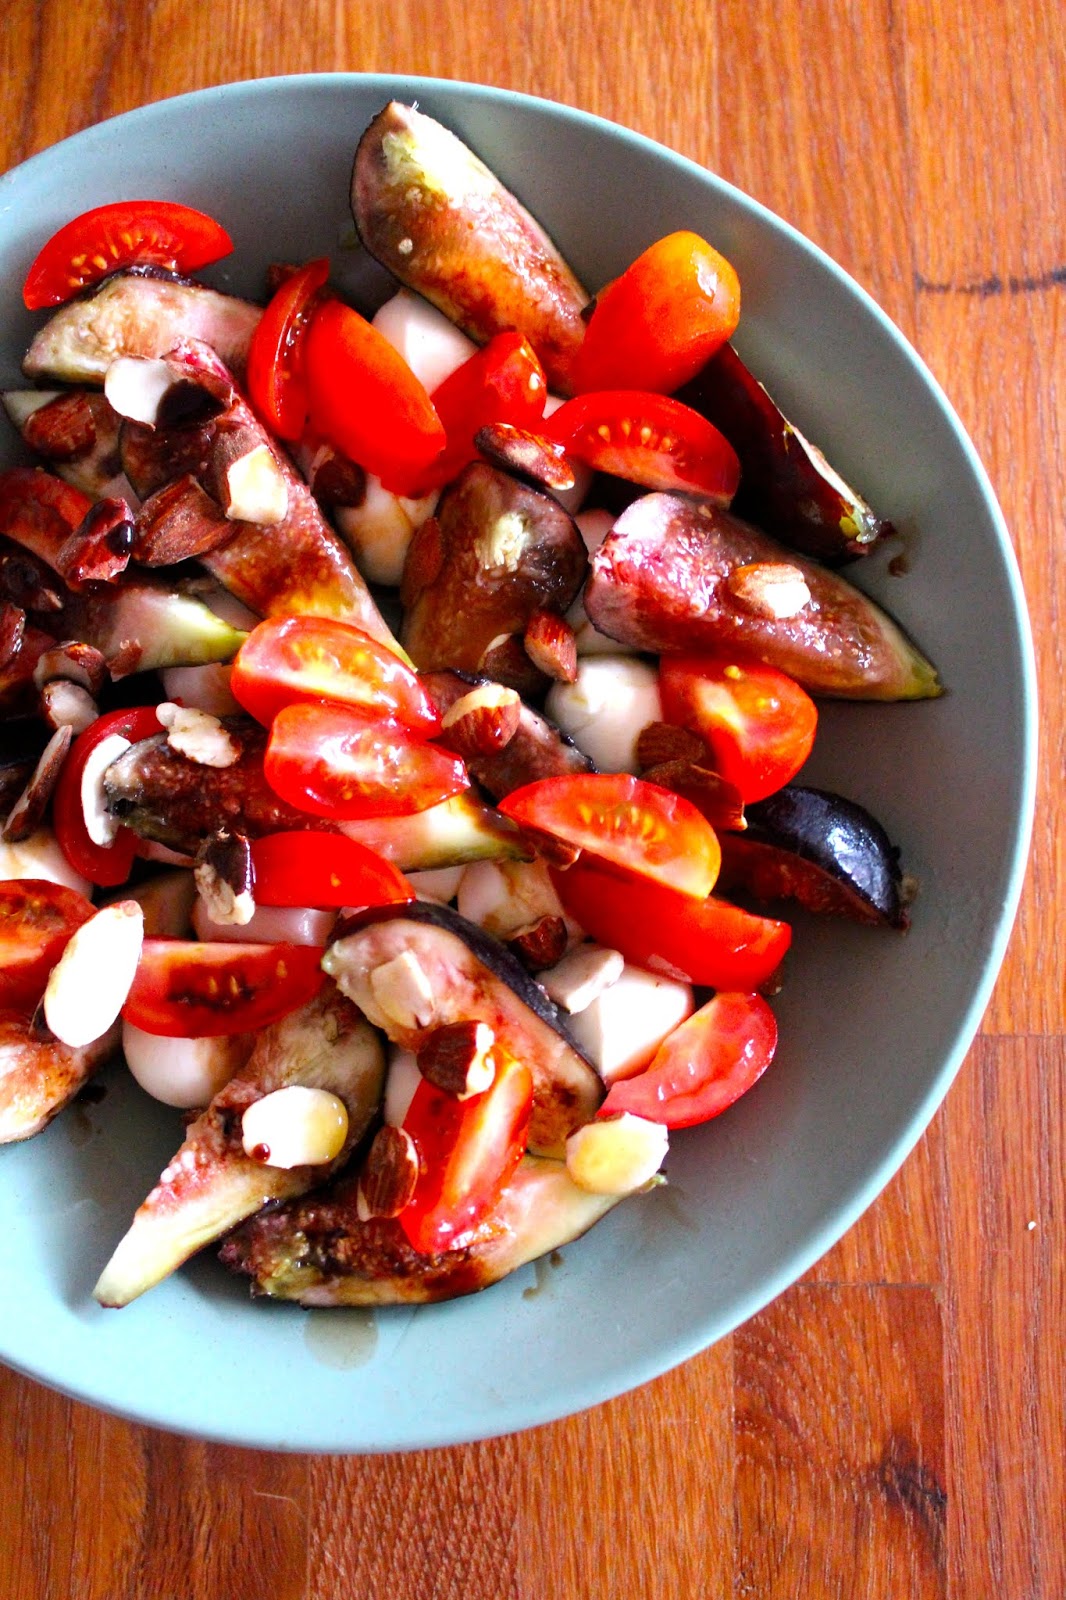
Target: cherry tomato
[
  {"x": 105, "y": 865},
  {"x": 364, "y": 398},
  {"x": 698, "y": 941},
  {"x": 626, "y": 823},
  {"x": 40, "y": 512},
  {"x": 759, "y": 723},
  {"x": 656, "y": 325},
  {"x": 323, "y": 869},
  {"x": 276, "y": 384},
  {"x": 36, "y": 920},
  {"x": 185, "y": 990},
  {"x": 286, "y": 660},
  {"x": 503, "y": 382},
  {"x": 158, "y": 233},
  {"x": 467, "y": 1152},
  {"x": 648, "y": 439},
  {"x": 706, "y": 1063},
  {"x": 333, "y": 761}
]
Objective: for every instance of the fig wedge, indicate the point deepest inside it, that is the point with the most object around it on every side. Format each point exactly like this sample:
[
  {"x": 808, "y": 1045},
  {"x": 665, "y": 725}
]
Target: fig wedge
[
  {"x": 211, "y": 1184},
  {"x": 786, "y": 484},
  {"x": 139, "y": 625},
  {"x": 441, "y": 222},
  {"x": 38, "y": 1077},
  {"x": 537, "y": 750},
  {"x": 659, "y": 582},
  {"x": 502, "y": 551},
  {"x": 317, "y": 1252}
]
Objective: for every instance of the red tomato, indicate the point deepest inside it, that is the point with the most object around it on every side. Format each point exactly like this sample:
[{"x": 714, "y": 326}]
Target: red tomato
[
  {"x": 185, "y": 990},
  {"x": 656, "y": 325},
  {"x": 648, "y": 439},
  {"x": 706, "y": 1063},
  {"x": 40, "y": 512},
  {"x": 759, "y": 723},
  {"x": 626, "y": 823},
  {"x": 698, "y": 941},
  {"x": 36, "y": 920},
  {"x": 364, "y": 398},
  {"x": 158, "y": 233},
  {"x": 467, "y": 1151},
  {"x": 323, "y": 869},
  {"x": 333, "y": 761},
  {"x": 276, "y": 383},
  {"x": 286, "y": 660},
  {"x": 504, "y": 382},
  {"x": 105, "y": 865}
]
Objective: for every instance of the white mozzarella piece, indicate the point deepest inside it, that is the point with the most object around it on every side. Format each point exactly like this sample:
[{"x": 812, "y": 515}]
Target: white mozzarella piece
[
  {"x": 440, "y": 884},
  {"x": 186, "y": 1073},
  {"x": 616, "y": 1155},
  {"x": 432, "y": 346},
  {"x": 623, "y": 1027},
  {"x": 207, "y": 688},
  {"x": 88, "y": 985},
  {"x": 604, "y": 710},
  {"x": 379, "y": 531},
  {"x": 505, "y": 896},
  {"x": 401, "y": 1081},
  {"x": 582, "y": 976},
  {"x": 268, "y": 925},
  {"x": 40, "y": 856},
  {"x": 589, "y": 640},
  {"x": 100, "y": 825}
]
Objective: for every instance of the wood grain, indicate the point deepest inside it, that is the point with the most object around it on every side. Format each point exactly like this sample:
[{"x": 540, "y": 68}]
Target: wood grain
[{"x": 893, "y": 1427}]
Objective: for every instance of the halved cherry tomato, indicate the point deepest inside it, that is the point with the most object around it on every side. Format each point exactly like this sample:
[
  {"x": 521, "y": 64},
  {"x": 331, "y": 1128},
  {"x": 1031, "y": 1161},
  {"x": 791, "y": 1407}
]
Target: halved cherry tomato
[
  {"x": 185, "y": 990},
  {"x": 276, "y": 383},
  {"x": 503, "y": 382},
  {"x": 333, "y": 761},
  {"x": 625, "y": 823},
  {"x": 39, "y": 511},
  {"x": 364, "y": 398},
  {"x": 699, "y": 941},
  {"x": 105, "y": 865},
  {"x": 323, "y": 869},
  {"x": 158, "y": 233},
  {"x": 648, "y": 439},
  {"x": 36, "y": 920},
  {"x": 287, "y": 660},
  {"x": 467, "y": 1151},
  {"x": 706, "y": 1063},
  {"x": 656, "y": 325},
  {"x": 759, "y": 723}
]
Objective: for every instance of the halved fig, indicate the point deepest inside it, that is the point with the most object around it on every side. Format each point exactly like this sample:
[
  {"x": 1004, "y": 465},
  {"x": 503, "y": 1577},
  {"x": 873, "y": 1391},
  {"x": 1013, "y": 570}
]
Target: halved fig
[
  {"x": 211, "y": 1184},
  {"x": 317, "y": 1252},
  {"x": 660, "y": 582},
  {"x": 826, "y": 852},
  {"x": 139, "y": 625},
  {"x": 451, "y": 834},
  {"x": 417, "y": 967},
  {"x": 38, "y": 1077},
  {"x": 786, "y": 484},
  {"x": 537, "y": 750},
  {"x": 504, "y": 551},
  {"x": 132, "y": 314},
  {"x": 441, "y": 222}
]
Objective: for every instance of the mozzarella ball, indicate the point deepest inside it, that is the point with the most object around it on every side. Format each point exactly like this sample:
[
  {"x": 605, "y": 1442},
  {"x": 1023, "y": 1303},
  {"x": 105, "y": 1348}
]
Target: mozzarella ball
[
  {"x": 605, "y": 709},
  {"x": 205, "y": 688},
  {"x": 505, "y": 896},
  {"x": 438, "y": 883},
  {"x": 186, "y": 1073},
  {"x": 432, "y": 346},
  {"x": 623, "y": 1027},
  {"x": 380, "y": 529}
]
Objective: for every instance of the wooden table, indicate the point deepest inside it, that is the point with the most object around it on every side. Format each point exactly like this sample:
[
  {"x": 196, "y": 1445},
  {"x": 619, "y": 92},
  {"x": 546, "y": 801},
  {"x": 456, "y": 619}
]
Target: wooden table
[{"x": 893, "y": 1426}]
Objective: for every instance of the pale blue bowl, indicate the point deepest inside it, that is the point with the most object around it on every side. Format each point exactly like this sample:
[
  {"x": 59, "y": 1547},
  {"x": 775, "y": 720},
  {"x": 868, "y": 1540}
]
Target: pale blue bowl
[{"x": 873, "y": 1026}]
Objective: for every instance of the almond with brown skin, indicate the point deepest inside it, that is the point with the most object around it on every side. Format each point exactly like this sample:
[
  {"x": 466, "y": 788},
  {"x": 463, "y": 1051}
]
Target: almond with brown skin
[
  {"x": 550, "y": 645},
  {"x": 507, "y": 662},
  {"x": 29, "y": 809},
  {"x": 389, "y": 1175},
  {"x": 72, "y": 662},
  {"x": 718, "y": 799},
  {"x": 179, "y": 522},
  {"x": 663, "y": 741},
  {"x": 528, "y": 455},
  {"x": 457, "y": 1058},
  {"x": 541, "y": 945},
  {"x": 482, "y": 722}
]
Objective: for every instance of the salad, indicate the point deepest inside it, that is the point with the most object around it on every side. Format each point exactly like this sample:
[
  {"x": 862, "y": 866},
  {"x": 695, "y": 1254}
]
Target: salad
[{"x": 402, "y": 714}]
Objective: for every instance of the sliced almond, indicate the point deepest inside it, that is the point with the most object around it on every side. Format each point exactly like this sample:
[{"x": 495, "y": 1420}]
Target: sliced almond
[
  {"x": 425, "y": 558},
  {"x": 89, "y": 984},
  {"x": 457, "y": 1058},
  {"x": 662, "y": 741},
  {"x": 506, "y": 661},
  {"x": 29, "y": 809},
  {"x": 582, "y": 976},
  {"x": 100, "y": 824},
  {"x": 529, "y": 455},
  {"x": 389, "y": 1175},
  {"x": 244, "y": 476},
  {"x": 197, "y": 735},
  {"x": 541, "y": 943},
  {"x": 99, "y": 550},
  {"x": 63, "y": 429},
  {"x": 551, "y": 646},
  {"x": 68, "y": 705},
  {"x": 75, "y": 662},
  {"x": 482, "y": 722},
  {"x": 178, "y": 522},
  {"x": 772, "y": 590}
]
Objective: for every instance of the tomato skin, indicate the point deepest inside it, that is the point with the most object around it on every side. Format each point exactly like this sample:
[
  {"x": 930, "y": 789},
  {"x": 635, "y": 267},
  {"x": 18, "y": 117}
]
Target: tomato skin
[
  {"x": 276, "y": 384},
  {"x": 625, "y": 823},
  {"x": 105, "y": 865},
  {"x": 290, "y": 660},
  {"x": 698, "y": 941},
  {"x": 502, "y": 382},
  {"x": 706, "y": 1063},
  {"x": 37, "y": 918},
  {"x": 324, "y": 869},
  {"x": 336, "y": 762},
  {"x": 662, "y": 320},
  {"x": 185, "y": 990},
  {"x": 364, "y": 398},
  {"x": 648, "y": 439},
  {"x": 159, "y": 233},
  {"x": 467, "y": 1152},
  {"x": 759, "y": 723}
]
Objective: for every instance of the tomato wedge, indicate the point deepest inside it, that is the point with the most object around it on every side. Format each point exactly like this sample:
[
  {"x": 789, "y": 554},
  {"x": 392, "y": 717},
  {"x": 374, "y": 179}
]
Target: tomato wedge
[
  {"x": 648, "y": 439},
  {"x": 698, "y": 941},
  {"x": 503, "y": 382},
  {"x": 36, "y": 920},
  {"x": 467, "y": 1151},
  {"x": 625, "y": 823},
  {"x": 336, "y": 762},
  {"x": 656, "y": 325},
  {"x": 39, "y": 511},
  {"x": 157, "y": 233},
  {"x": 287, "y": 660},
  {"x": 364, "y": 398},
  {"x": 759, "y": 723},
  {"x": 705, "y": 1064},
  {"x": 323, "y": 869},
  {"x": 185, "y": 990},
  {"x": 104, "y": 865},
  {"x": 276, "y": 383}
]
